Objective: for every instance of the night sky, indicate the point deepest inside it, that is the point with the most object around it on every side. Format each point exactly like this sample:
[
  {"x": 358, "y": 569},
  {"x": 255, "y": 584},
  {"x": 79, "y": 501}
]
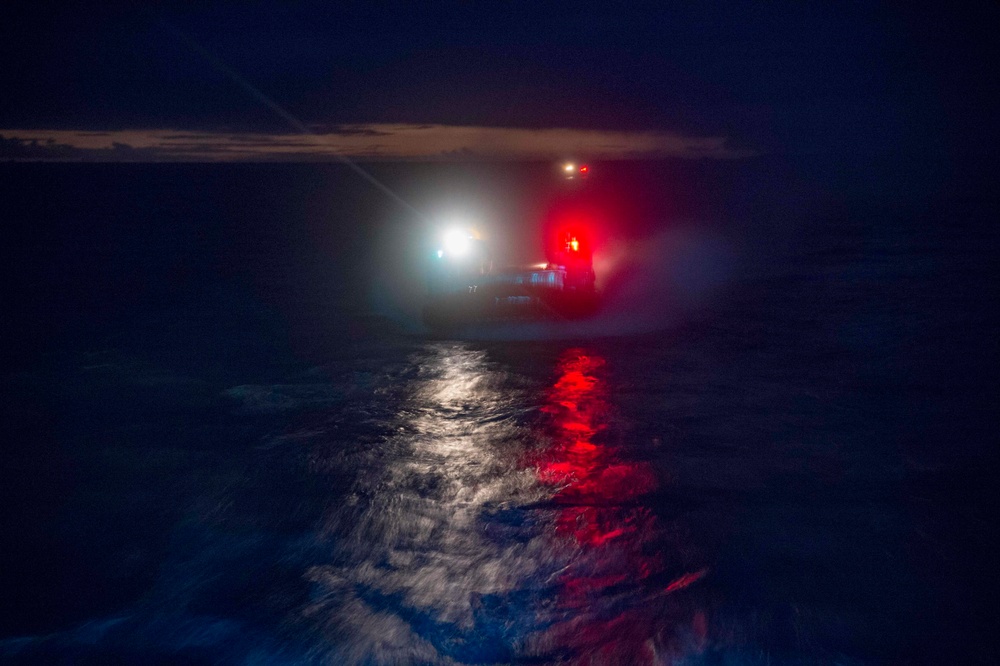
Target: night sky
[{"x": 788, "y": 78}]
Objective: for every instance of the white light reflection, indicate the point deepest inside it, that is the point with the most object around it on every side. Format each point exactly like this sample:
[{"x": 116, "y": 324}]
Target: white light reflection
[
  {"x": 421, "y": 565},
  {"x": 472, "y": 538}
]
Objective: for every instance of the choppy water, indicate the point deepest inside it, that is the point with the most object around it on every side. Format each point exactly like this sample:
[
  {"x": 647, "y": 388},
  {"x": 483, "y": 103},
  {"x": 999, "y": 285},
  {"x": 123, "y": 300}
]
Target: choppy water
[{"x": 781, "y": 460}]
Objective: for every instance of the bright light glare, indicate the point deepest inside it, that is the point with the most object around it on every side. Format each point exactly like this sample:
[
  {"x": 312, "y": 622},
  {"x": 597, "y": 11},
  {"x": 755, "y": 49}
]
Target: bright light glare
[
  {"x": 569, "y": 167},
  {"x": 457, "y": 242}
]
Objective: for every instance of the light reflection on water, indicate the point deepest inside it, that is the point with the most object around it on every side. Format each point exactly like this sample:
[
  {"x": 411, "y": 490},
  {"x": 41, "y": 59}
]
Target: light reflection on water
[
  {"x": 490, "y": 531},
  {"x": 609, "y": 599}
]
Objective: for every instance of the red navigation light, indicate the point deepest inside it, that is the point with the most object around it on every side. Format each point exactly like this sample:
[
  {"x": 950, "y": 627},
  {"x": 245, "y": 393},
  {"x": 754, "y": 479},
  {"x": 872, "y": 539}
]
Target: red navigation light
[
  {"x": 569, "y": 238},
  {"x": 572, "y": 243},
  {"x": 584, "y": 168}
]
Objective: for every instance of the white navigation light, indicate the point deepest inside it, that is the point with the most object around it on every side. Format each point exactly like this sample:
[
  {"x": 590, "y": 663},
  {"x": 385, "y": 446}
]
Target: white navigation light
[
  {"x": 457, "y": 242},
  {"x": 569, "y": 167}
]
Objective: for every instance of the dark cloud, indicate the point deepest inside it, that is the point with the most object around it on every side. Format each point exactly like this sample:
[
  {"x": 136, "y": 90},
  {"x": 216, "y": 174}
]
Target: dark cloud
[
  {"x": 342, "y": 130},
  {"x": 392, "y": 141},
  {"x": 30, "y": 150}
]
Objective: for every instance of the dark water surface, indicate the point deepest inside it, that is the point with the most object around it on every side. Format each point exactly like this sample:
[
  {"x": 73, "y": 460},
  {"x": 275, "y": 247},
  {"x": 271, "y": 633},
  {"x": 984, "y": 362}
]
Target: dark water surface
[{"x": 227, "y": 439}]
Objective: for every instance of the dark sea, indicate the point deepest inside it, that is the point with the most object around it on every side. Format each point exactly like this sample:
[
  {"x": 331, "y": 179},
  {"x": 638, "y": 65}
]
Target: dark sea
[{"x": 228, "y": 439}]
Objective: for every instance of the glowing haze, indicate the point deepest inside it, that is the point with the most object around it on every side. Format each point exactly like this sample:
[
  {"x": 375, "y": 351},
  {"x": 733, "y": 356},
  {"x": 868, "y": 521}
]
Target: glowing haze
[{"x": 385, "y": 141}]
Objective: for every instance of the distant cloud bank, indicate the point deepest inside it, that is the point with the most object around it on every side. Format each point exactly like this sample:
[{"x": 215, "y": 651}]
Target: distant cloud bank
[{"x": 357, "y": 141}]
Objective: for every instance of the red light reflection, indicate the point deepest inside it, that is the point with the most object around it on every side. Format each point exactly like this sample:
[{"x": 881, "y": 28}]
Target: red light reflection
[
  {"x": 586, "y": 471},
  {"x": 607, "y": 589}
]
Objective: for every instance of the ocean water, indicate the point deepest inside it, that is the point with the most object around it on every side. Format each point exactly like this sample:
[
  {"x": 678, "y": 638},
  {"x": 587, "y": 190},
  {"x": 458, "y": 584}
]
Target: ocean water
[{"x": 228, "y": 439}]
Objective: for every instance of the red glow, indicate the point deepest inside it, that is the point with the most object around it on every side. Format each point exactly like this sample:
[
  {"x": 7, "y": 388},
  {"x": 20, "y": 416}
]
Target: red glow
[
  {"x": 570, "y": 240},
  {"x": 569, "y": 220},
  {"x": 584, "y": 169}
]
